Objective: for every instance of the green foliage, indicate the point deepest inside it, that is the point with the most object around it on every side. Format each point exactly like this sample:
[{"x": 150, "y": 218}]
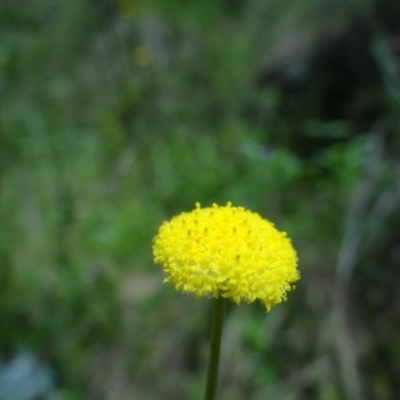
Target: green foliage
[{"x": 117, "y": 115}]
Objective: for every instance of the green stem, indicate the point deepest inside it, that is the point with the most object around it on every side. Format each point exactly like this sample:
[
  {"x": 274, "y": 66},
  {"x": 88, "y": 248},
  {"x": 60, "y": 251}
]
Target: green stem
[{"x": 218, "y": 322}]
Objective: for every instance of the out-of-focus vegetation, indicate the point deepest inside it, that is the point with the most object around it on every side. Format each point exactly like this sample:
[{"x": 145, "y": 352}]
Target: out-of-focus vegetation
[{"x": 117, "y": 115}]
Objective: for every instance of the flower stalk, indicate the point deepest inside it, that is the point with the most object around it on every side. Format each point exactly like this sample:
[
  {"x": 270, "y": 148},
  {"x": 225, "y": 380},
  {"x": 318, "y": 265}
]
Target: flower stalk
[{"x": 216, "y": 334}]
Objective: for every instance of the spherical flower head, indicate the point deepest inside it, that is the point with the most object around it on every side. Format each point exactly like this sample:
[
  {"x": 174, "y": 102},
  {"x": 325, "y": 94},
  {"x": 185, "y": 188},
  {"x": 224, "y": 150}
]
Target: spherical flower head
[{"x": 229, "y": 252}]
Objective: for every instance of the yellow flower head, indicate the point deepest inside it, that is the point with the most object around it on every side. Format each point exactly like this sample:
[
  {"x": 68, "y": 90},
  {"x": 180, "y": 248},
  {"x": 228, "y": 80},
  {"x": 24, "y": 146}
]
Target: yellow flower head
[{"x": 227, "y": 251}]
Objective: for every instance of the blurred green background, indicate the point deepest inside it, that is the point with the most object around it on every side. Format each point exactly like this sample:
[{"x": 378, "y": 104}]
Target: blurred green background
[{"x": 115, "y": 116}]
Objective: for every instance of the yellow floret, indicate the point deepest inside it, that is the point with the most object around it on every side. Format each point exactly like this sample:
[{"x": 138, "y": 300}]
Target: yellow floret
[{"x": 227, "y": 251}]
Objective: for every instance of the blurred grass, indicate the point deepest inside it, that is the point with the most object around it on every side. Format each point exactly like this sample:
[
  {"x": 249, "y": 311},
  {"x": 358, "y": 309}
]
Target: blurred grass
[{"x": 114, "y": 117}]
